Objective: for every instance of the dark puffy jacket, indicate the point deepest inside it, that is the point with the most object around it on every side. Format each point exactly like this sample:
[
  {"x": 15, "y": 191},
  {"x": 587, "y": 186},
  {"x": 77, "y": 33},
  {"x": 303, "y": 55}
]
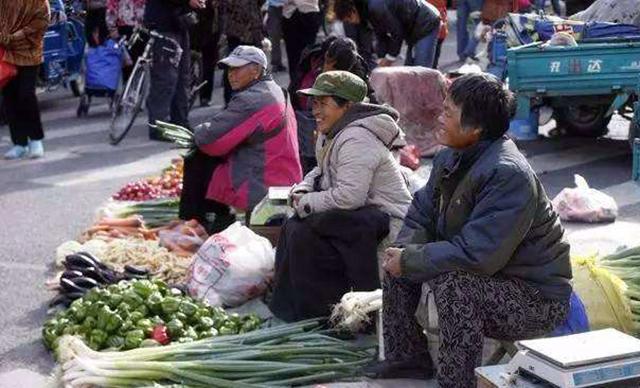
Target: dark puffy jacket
[
  {"x": 163, "y": 15},
  {"x": 396, "y": 20},
  {"x": 484, "y": 211}
]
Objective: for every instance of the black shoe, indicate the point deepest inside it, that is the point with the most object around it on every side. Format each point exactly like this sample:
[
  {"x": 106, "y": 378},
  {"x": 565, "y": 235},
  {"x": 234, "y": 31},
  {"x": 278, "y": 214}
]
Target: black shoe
[
  {"x": 278, "y": 68},
  {"x": 156, "y": 135},
  {"x": 204, "y": 102},
  {"x": 406, "y": 369}
]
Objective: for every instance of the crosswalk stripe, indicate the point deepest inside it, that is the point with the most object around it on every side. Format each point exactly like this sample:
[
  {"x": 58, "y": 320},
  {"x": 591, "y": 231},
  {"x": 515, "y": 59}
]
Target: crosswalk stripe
[
  {"x": 625, "y": 194},
  {"x": 139, "y": 168},
  {"x": 574, "y": 157}
]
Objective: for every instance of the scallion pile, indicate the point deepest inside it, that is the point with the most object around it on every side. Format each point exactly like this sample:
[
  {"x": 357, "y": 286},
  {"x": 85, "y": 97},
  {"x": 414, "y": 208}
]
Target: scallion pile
[
  {"x": 292, "y": 354},
  {"x": 180, "y": 136}
]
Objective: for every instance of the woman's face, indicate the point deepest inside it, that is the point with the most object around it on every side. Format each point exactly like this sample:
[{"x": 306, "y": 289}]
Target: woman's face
[
  {"x": 327, "y": 112},
  {"x": 240, "y": 77},
  {"x": 451, "y": 133}
]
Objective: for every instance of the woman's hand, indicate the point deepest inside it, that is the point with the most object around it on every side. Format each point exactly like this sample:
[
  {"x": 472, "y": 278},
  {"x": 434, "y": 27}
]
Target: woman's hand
[{"x": 392, "y": 261}]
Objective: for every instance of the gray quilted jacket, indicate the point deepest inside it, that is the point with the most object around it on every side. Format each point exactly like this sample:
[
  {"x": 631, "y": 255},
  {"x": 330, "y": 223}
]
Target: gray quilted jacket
[{"x": 356, "y": 167}]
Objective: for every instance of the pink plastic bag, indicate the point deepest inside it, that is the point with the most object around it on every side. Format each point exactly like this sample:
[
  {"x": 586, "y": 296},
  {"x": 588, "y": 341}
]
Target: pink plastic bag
[
  {"x": 585, "y": 204},
  {"x": 410, "y": 156}
]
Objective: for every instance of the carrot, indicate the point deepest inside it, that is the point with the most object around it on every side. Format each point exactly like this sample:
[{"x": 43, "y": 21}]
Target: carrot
[
  {"x": 127, "y": 230},
  {"x": 170, "y": 245},
  {"x": 127, "y": 222},
  {"x": 97, "y": 228}
]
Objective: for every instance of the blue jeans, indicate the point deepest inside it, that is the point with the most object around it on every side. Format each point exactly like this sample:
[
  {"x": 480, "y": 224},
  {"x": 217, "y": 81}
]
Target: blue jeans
[
  {"x": 467, "y": 43},
  {"x": 423, "y": 52},
  {"x": 554, "y": 3}
]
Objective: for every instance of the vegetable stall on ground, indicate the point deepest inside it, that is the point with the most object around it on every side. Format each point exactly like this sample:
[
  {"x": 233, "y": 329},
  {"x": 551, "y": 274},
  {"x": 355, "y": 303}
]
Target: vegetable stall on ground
[{"x": 122, "y": 314}]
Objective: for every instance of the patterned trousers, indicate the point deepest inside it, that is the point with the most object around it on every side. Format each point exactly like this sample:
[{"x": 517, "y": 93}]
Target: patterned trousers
[{"x": 470, "y": 307}]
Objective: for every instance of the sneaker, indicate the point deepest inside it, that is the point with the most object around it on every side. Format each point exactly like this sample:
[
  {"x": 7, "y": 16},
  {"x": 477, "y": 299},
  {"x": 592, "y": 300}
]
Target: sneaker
[
  {"x": 36, "y": 149},
  {"x": 16, "y": 152},
  {"x": 408, "y": 369}
]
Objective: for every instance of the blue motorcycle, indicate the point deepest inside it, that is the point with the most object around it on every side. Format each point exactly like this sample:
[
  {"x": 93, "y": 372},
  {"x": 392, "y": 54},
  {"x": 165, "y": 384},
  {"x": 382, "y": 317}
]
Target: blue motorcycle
[{"x": 64, "y": 43}]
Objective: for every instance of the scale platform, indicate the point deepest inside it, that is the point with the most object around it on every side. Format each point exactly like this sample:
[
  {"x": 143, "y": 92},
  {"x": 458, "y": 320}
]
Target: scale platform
[{"x": 603, "y": 358}]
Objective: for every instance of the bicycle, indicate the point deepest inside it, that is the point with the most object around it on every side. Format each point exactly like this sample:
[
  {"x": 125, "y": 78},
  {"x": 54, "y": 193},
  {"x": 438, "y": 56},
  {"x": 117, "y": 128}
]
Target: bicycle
[{"x": 130, "y": 102}]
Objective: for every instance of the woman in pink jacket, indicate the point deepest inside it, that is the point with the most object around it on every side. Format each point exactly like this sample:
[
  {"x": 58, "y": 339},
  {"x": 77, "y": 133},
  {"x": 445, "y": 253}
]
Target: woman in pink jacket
[{"x": 253, "y": 140}]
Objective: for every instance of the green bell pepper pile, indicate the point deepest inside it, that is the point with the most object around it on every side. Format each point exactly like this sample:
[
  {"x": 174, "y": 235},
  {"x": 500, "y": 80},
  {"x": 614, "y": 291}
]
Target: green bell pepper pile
[{"x": 124, "y": 316}]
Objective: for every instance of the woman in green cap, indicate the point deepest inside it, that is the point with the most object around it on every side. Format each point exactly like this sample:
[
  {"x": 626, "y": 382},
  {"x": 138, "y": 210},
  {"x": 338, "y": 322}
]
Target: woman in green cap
[{"x": 345, "y": 207}]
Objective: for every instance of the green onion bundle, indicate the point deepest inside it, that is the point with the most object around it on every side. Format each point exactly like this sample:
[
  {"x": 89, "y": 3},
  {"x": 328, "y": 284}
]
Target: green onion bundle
[
  {"x": 180, "y": 136},
  {"x": 155, "y": 213},
  {"x": 291, "y": 354}
]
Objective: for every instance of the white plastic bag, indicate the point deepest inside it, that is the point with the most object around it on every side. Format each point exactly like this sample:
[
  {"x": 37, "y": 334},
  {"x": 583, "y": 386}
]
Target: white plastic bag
[
  {"x": 231, "y": 267},
  {"x": 585, "y": 204}
]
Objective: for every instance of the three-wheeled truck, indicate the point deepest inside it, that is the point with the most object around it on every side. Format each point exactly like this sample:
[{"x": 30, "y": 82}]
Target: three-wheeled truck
[{"x": 584, "y": 84}]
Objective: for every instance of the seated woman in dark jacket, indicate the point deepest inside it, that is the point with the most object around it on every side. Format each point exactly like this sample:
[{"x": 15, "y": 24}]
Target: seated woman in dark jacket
[
  {"x": 394, "y": 21},
  {"x": 483, "y": 235}
]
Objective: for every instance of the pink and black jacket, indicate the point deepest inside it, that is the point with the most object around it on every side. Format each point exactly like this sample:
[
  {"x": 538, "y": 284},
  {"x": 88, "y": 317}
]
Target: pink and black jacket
[{"x": 256, "y": 135}]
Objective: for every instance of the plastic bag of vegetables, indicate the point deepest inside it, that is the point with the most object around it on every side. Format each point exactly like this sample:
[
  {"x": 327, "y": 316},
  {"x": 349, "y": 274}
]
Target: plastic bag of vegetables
[
  {"x": 607, "y": 299},
  {"x": 231, "y": 267}
]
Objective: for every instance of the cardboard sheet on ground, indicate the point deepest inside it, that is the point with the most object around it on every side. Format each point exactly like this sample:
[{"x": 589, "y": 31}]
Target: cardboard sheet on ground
[{"x": 417, "y": 93}]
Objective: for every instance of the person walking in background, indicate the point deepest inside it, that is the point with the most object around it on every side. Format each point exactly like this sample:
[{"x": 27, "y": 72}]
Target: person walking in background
[
  {"x": 205, "y": 39},
  {"x": 170, "y": 81},
  {"x": 123, "y": 16},
  {"x": 22, "y": 27},
  {"x": 274, "y": 30},
  {"x": 394, "y": 21},
  {"x": 95, "y": 24},
  {"x": 243, "y": 27},
  {"x": 555, "y": 4},
  {"x": 300, "y": 24},
  {"x": 363, "y": 35},
  {"x": 444, "y": 28},
  {"x": 467, "y": 42}
]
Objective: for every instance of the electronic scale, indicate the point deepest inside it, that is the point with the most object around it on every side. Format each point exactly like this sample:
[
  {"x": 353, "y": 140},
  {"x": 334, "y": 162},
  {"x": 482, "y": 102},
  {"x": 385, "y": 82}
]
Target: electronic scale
[{"x": 603, "y": 358}]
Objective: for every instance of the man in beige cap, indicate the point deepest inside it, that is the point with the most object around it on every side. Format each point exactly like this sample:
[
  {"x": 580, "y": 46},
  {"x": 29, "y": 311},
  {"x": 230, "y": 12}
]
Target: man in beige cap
[{"x": 246, "y": 148}]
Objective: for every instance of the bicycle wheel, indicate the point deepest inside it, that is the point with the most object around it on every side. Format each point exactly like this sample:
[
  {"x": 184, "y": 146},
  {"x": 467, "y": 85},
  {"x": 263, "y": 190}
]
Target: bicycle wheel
[{"x": 128, "y": 105}]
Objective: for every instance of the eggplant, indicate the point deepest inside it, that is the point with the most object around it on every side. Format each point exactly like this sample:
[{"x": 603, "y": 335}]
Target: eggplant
[
  {"x": 98, "y": 262},
  {"x": 85, "y": 282},
  {"x": 74, "y": 295},
  {"x": 95, "y": 274},
  {"x": 69, "y": 286},
  {"x": 136, "y": 270},
  {"x": 71, "y": 274},
  {"x": 59, "y": 299},
  {"x": 78, "y": 260},
  {"x": 131, "y": 276}
]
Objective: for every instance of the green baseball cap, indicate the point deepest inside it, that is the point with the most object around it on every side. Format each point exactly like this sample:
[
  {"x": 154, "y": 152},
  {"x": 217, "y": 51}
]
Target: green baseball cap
[{"x": 338, "y": 83}]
